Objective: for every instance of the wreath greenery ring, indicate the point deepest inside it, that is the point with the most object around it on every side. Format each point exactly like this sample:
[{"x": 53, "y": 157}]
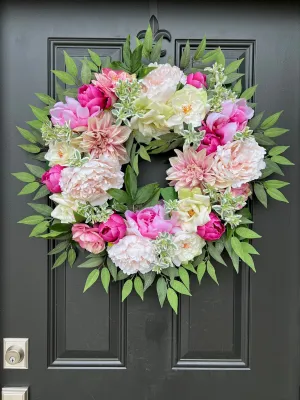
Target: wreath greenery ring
[{"x": 117, "y": 113}]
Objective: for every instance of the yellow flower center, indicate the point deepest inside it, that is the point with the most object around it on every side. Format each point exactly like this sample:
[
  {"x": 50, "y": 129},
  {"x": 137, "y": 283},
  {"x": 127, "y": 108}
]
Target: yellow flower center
[
  {"x": 191, "y": 213},
  {"x": 187, "y": 109},
  {"x": 186, "y": 245},
  {"x": 60, "y": 154}
]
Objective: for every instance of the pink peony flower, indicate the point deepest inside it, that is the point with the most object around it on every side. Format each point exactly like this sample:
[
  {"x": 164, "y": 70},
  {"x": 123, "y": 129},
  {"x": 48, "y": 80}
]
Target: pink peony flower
[
  {"x": 190, "y": 169},
  {"x": 197, "y": 79},
  {"x": 113, "y": 229},
  {"x": 93, "y": 98},
  {"x": 210, "y": 143},
  {"x": 133, "y": 254},
  {"x": 91, "y": 181},
  {"x": 102, "y": 137},
  {"x": 150, "y": 221},
  {"x": 212, "y": 230},
  {"x": 238, "y": 162},
  {"x": 51, "y": 178},
  {"x": 88, "y": 238},
  {"x": 72, "y": 113},
  {"x": 233, "y": 117},
  {"x": 244, "y": 190}
]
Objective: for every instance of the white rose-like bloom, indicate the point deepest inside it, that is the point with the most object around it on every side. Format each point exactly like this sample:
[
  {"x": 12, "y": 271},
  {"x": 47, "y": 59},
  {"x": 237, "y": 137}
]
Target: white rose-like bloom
[
  {"x": 238, "y": 162},
  {"x": 60, "y": 153},
  {"x": 161, "y": 83},
  {"x": 91, "y": 181},
  {"x": 133, "y": 253},
  {"x": 192, "y": 212},
  {"x": 189, "y": 246},
  {"x": 64, "y": 211}
]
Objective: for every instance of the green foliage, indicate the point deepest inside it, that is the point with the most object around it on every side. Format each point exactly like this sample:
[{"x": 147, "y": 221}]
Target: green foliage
[
  {"x": 112, "y": 268},
  {"x": 147, "y": 44},
  {"x": 60, "y": 259},
  {"x": 41, "y": 208},
  {"x": 248, "y": 93},
  {"x": 201, "y": 269},
  {"x": 233, "y": 66},
  {"x": 212, "y": 272},
  {"x": 186, "y": 56},
  {"x": 29, "y": 188},
  {"x": 261, "y": 194},
  {"x": 71, "y": 257},
  {"x": 30, "y": 148},
  {"x": 271, "y": 120},
  {"x": 127, "y": 289},
  {"x": 70, "y": 65},
  {"x": 184, "y": 276},
  {"x": 35, "y": 170},
  {"x": 27, "y": 135},
  {"x": 59, "y": 248},
  {"x": 277, "y": 195},
  {"x": 155, "y": 53},
  {"x": 39, "y": 228},
  {"x": 91, "y": 262},
  {"x": 95, "y": 58},
  {"x": 172, "y": 299},
  {"x": 200, "y": 49},
  {"x": 179, "y": 287},
  {"x": 148, "y": 279},
  {"x": 168, "y": 193},
  {"x": 105, "y": 278},
  {"x": 86, "y": 73},
  {"x": 213, "y": 252},
  {"x": 65, "y": 77},
  {"x": 32, "y": 220},
  {"x": 24, "y": 177},
  {"x": 91, "y": 279},
  {"x": 139, "y": 286},
  {"x": 161, "y": 289}
]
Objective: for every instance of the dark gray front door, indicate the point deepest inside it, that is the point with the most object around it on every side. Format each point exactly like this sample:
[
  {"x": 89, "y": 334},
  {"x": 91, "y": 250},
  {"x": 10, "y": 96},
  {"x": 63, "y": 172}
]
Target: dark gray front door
[{"x": 238, "y": 341}]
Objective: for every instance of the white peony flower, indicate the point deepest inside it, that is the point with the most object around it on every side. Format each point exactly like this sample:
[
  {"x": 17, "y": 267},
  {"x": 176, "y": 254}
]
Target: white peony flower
[
  {"x": 64, "y": 211},
  {"x": 60, "y": 153},
  {"x": 189, "y": 246},
  {"x": 91, "y": 181},
  {"x": 161, "y": 83},
  {"x": 238, "y": 162},
  {"x": 189, "y": 105},
  {"x": 133, "y": 254}
]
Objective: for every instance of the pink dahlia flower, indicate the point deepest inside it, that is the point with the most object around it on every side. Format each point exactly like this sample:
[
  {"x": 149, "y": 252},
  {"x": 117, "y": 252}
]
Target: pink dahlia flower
[
  {"x": 212, "y": 230},
  {"x": 190, "y": 169},
  {"x": 93, "y": 98},
  {"x": 51, "y": 178},
  {"x": 113, "y": 229},
  {"x": 238, "y": 162},
  {"x": 88, "y": 238},
  {"x": 102, "y": 137},
  {"x": 73, "y": 113},
  {"x": 197, "y": 79}
]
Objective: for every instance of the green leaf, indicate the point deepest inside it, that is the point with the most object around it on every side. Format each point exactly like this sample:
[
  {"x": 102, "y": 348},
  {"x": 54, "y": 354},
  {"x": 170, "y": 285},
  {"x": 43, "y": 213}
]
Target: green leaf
[
  {"x": 41, "y": 208},
  {"x": 237, "y": 88},
  {"x": 78, "y": 217},
  {"x": 120, "y": 195},
  {"x": 254, "y": 122},
  {"x": 274, "y": 132},
  {"x": 233, "y": 66},
  {"x": 148, "y": 279},
  {"x": 186, "y": 56},
  {"x": 168, "y": 193},
  {"x": 248, "y": 248},
  {"x": 184, "y": 276},
  {"x": 130, "y": 181},
  {"x": 91, "y": 279},
  {"x": 271, "y": 120},
  {"x": 161, "y": 289},
  {"x": 189, "y": 267},
  {"x": 248, "y": 93},
  {"x": 147, "y": 44},
  {"x": 136, "y": 59},
  {"x": 29, "y": 188},
  {"x": 27, "y": 135},
  {"x": 155, "y": 53},
  {"x": 220, "y": 59},
  {"x": 105, "y": 278},
  {"x": 281, "y": 160},
  {"x": 201, "y": 271},
  {"x": 70, "y": 65},
  {"x": 91, "y": 263},
  {"x": 180, "y": 288},
  {"x": 271, "y": 167},
  {"x": 86, "y": 73},
  {"x": 24, "y": 177},
  {"x": 247, "y": 233},
  {"x": 237, "y": 247},
  {"x": 60, "y": 259},
  {"x": 214, "y": 253},
  {"x": 154, "y": 199},
  {"x": 212, "y": 272},
  {"x": 127, "y": 53},
  {"x": 210, "y": 56},
  {"x": 71, "y": 257},
  {"x": 65, "y": 77},
  {"x": 233, "y": 256},
  {"x": 135, "y": 164},
  {"x": 58, "y": 227},
  {"x": 127, "y": 289},
  {"x": 121, "y": 276},
  {"x": 261, "y": 194},
  {"x": 139, "y": 286},
  {"x": 95, "y": 58},
  {"x": 275, "y": 151},
  {"x": 40, "y": 228},
  {"x": 200, "y": 49},
  {"x": 92, "y": 66},
  {"x": 144, "y": 71},
  {"x": 249, "y": 261},
  {"x": 143, "y": 153},
  {"x": 233, "y": 77},
  {"x": 275, "y": 184},
  {"x": 30, "y": 148},
  {"x": 46, "y": 99},
  {"x": 32, "y": 220},
  {"x": 263, "y": 140},
  {"x": 145, "y": 193},
  {"x": 60, "y": 247},
  {"x": 42, "y": 192},
  {"x": 171, "y": 272},
  {"x": 172, "y": 299},
  {"x": 112, "y": 268},
  {"x": 35, "y": 170},
  {"x": 277, "y": 195}
]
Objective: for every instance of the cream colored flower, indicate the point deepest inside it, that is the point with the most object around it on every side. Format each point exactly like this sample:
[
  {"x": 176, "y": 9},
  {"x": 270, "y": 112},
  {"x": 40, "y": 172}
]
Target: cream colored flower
[
  {"x": 189, "y": 246},
  {"x": 64, "y": 211},
  {"x": 60, "y": 153}
]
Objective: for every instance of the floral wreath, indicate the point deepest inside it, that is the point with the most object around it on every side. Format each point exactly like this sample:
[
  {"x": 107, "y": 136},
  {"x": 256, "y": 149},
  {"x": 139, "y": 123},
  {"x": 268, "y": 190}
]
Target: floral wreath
[{"x": 118, "y": 112}]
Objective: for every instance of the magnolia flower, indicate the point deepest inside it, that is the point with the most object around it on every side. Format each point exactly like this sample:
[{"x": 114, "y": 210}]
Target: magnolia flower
[
  {"x": 91, "y": 181},
  {"x": 190, "y": 169},
  {"x": 238, "y": 162},
  {"x": 60, "y": 153},
  {"x": 193, "y": 209},
  {"x": 132, "y": 254},
  {"x": 103, "y": 137},
  {"x": 161, "y": 83},
  {"x": 189, "y": 246},
  {"x": 189, "y": 105},
  {"x": 64, "y": 211}
]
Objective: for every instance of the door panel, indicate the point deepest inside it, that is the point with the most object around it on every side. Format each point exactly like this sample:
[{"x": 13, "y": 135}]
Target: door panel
[{"x": 235, "y": 341}]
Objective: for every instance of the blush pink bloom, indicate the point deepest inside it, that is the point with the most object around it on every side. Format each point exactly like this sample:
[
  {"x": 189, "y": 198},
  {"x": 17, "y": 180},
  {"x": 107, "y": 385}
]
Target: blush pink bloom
[
  {"x": 233, "y": 117},
  {"x": 212, "y": 230},
  {"x": 51, "y": 178},
  {"x": 103, "y": 137},
  {"x": 88, "y": 238},
  {"x": 190, "y": 169},
  {"x": 73, "y": 113},
  {"x": 244, "y": 190},
  {"x": 113, "y": 229},
  {"x": 150, "y": 222},
  {"x": 197, "y": 79},
  {"x": 93, "y": 98}
]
